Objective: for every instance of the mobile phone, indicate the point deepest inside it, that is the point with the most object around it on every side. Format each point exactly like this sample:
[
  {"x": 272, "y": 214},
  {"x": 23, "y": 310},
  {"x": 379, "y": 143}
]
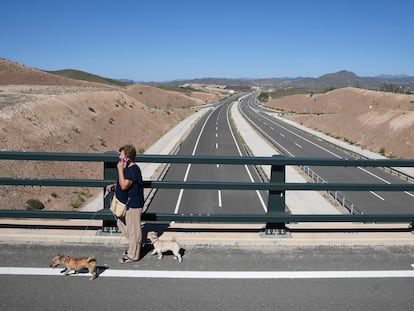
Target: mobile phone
[{"x": 125, "y": 160}]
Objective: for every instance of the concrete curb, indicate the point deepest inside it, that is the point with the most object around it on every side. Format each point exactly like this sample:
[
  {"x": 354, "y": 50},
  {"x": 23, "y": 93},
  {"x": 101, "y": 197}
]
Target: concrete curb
[{"x": 234, "y": 239}]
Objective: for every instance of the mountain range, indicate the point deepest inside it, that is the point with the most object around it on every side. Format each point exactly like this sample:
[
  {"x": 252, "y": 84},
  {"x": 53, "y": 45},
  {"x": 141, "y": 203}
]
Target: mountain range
[
  {"x": 400, "y": 83},
  {"x": 12, "y": 73}
]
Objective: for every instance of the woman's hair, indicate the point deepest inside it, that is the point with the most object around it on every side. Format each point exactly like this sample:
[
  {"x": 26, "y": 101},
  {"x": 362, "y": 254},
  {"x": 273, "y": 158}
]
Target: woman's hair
[{"x": 129, "y": 151}]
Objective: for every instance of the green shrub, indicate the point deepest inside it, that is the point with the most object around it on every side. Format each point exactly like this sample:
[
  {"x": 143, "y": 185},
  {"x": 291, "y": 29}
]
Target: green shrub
[
  {"x": 263, "y": 97},
  {"x": 33, "y": 204},
  {"x": 77, "y": 201}
]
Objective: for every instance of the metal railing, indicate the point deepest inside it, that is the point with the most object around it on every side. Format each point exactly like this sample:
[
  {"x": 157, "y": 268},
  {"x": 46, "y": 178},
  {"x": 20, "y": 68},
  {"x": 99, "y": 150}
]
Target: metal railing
[
  {"x": 275, "y": 218},
  {"x": 336, "y": 195}
]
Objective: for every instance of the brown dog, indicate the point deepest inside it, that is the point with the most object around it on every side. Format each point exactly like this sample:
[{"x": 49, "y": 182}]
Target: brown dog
[
  {"x": 76, "y": 264},
  {"x": 164, "y": 246}
]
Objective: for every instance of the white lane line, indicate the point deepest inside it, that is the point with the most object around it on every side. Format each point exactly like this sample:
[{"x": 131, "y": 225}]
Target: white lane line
[
  {"x": 334, "y": 154},
  {"x": 383, "y": 180},
  {"x": 410, "y": 194},
  {"x": 303, "y": 138},
  {"x": 165, "y": 274},
  {"x": 373, "y": 175},
  {"x": 255, "y": 125},
  {"x": 177, "y": 205},
  {"x": 241, "y": 154},
  {"x": 298, "y": 145},
  {"x": 216, "y": 145},
  {"x": 376, "y": 176},
  {"x": 180, "y": 196},
  {"x": 187, "y": 172},
  {"x": 377, "y": 195},
  {"x": 219, "y": 199}
]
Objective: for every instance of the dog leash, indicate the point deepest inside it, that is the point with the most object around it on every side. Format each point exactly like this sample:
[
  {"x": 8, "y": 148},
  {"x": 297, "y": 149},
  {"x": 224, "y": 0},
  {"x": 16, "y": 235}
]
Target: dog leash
[
  {"x": 87, "y": 226},
  {"x": 90, "y": 220}
]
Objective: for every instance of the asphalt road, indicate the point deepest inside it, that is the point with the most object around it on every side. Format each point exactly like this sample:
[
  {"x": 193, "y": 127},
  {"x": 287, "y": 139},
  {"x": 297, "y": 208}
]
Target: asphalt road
[
  {"x": 212, "y": 135},
  {"x": 212, "y": 278},
  {"x": 295, "y": 143}
]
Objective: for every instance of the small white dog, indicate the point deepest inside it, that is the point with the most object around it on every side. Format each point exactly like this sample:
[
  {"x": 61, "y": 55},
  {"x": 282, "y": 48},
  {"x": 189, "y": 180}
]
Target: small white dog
[{"x": 164, "y": 246}]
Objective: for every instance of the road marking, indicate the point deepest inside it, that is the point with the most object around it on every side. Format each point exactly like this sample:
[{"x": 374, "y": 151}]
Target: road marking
[
  {"x": 298, "y": 145},
  {"x": 364, "y": 170},
  {"x": 219, "y": 199},
  {"x": 378, "y": 196},
  {"x": 374, "y": 175},
  {"x": 165, "y": 274},
  {"x": 303, "y": 138},
  {"x": 178, "y": 203},
  {"x": 255, "y": 125},
  {"x": 410, "y": 194},
  {"x": 241, "y": 154}
]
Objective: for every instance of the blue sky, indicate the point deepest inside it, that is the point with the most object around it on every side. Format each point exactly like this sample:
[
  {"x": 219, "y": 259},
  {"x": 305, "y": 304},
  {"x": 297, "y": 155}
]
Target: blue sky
[{"x": 160, "y": 40}]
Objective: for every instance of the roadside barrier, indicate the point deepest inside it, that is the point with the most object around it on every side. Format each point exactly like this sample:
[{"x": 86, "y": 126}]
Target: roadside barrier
[{"x": 275, "y": 218}]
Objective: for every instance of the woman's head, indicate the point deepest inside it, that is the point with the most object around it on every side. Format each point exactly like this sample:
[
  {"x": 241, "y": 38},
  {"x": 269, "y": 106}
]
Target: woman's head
[{"x": 129, "y": 151}]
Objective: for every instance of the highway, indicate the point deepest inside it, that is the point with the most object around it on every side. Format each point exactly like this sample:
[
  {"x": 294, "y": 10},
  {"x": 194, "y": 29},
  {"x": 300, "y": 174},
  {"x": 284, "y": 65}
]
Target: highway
[
  {"x": 212, "y": 135},
  {"x": 293, "y": 142}
]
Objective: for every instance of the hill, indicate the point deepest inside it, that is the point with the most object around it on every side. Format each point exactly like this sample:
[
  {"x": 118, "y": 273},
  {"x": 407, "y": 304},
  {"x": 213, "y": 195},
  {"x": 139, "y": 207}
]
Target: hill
[
  {"x": 382, "y": 122},
  {"x": 86, "y": 76},
  {"x": 44, "y": 112},
  {"x": 14, "y": 73}
]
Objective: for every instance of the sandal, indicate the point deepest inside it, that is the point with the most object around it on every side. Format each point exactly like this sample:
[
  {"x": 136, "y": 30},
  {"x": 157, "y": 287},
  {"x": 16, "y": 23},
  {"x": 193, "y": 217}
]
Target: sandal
[
  {"x": 125, "y": 259},
  {"x": 125, "y": 253}
]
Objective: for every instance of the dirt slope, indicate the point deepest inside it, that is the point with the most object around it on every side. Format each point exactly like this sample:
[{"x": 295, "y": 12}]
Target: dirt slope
[
  {"x": 379, "y": 121},
  {"x": 65, "y": 116},
  {"x": 14, "y": 73}
]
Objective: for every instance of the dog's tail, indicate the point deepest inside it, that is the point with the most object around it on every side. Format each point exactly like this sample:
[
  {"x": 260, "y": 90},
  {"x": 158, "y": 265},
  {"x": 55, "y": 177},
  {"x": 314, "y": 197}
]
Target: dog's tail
[{"x": 91, "y": 258}]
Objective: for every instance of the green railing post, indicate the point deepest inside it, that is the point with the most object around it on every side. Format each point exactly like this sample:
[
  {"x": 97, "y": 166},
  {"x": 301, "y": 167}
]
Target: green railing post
[
  {"x": 110, "y": 172},
  {"x": 276, "y": 201}
]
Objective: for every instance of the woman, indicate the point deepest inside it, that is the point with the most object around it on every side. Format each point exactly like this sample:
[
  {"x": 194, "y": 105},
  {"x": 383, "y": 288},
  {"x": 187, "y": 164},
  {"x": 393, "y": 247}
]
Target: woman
[{"x": 129, "y": 190}]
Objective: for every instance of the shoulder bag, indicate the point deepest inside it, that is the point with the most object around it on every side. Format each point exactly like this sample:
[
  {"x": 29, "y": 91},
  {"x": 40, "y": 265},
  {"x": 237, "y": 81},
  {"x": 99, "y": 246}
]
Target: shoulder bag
[{"x": 117, "y": 207}]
